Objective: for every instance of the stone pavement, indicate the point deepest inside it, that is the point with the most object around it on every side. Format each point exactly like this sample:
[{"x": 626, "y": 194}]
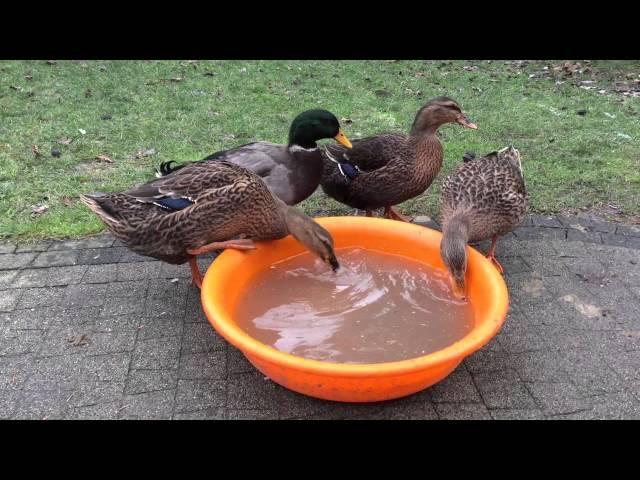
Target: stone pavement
[{"x": 90, "y": 330}]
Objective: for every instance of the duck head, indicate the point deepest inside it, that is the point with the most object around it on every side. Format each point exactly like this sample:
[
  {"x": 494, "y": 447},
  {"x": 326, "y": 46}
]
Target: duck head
[
  {"x": 313, "y": 125},
  {"x": 437, "y": 112}
]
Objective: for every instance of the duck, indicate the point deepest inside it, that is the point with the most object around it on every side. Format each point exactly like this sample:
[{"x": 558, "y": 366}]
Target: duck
[
  {"x": 202, "y": 208},
  {"x": 482, "y": 199},
  {"x": 291, "y": 171},
  {"x": 387, "y": 169}
]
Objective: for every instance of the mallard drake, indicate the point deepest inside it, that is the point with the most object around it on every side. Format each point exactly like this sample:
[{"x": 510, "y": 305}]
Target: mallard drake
[
  {"x": 484, "y": 198},
  {"x": 388, "y": 169},
  {"x": 202, "y": 208},
  {"x": 291, "y": 171}
]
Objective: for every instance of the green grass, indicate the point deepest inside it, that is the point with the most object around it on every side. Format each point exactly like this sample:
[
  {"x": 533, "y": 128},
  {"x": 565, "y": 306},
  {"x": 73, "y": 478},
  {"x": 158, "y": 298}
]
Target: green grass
[{"x": 570, "y": 161}]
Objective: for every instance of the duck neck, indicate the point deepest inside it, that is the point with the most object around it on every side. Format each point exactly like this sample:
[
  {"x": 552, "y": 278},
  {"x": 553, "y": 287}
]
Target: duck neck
[
  {"x": 456, "y": 236},
  {"x": 300, "y": 139},
  {"x": 453, "y": 248}
]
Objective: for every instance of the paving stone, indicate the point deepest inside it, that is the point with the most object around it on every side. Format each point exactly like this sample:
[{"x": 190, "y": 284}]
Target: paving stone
[
  {"x": 625, "y": 364},
  {"x": 558, "y": 398},
  {"x": 7, "y": 278},
  {"x": 9, "y": 299},
  {"x": 546, "y": 221},
  {"x": 205, "y": 366},
  {"x": 7, "y": 248},
  {"x": 12, "y": 261},
  {"x": 462, "y": 411},
  {"x": 42, "y": 297},
  {"x": 131, "y": 256},
  {"x": 539, "y": 366},
  {"x": 98, "y": 411},
  {"x": 91, "y": 295},
  {"x": 627, "y": 230},
  {"x": 49, "y": 277},
  {"x": 56, "y": 259},
  {"x": 157, "y": 353},
  {"x": 14, "y": 371},
  {"x": 611, "y": 406},
  {"x": 148, "y": 406},
  {"x": 411, "y": 411},
  {"x": 138, "y": 271},
  {"x": 121, "y": 323},
  {"x": 32, "y": 247},
  {"x": 100, "y": 256},
  {"x": 93, "y": 393},
  {"x": 503, "y": 390},
  {"x": 252, "y": 415},
  {"x": 175, "y": 271},
  {"x": 457, "y": 387},
  {"x": 136, "y": 288},
  {"x": 42, "y": 405},
  {"x": 195, "y": 395},
  {"x": 517, "y": 414},
  {"x": 100, "y": 274},
  {"x": 142, "y": 381},
  {"x": 124, "y": 306},
  {"x": 200, "y": 338},
  {"x": 237, "y": 363},
  {"x": 166, "y": 307},
  {"x": 102, "y": 241},
  {"x": 8, "y": 402},
  {"x": 578, "y": 235},
  {"x": 157, "y": 327},
  {"x": 206, "y": 414},
  {"x": 487, "y": 361},
  {"x": 164, "y": 287},
  {"x": 18, "y": 342}
]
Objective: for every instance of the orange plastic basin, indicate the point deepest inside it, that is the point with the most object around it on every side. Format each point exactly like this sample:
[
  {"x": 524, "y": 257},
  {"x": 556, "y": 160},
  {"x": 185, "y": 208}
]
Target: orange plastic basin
[{"x": 232, "y": 273}]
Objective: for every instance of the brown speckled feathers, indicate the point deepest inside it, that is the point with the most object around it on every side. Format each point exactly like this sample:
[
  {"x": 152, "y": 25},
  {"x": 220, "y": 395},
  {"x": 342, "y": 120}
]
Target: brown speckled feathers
[
  {"x": 223, "y": 201},
  {"x": 490, "y": 191}
]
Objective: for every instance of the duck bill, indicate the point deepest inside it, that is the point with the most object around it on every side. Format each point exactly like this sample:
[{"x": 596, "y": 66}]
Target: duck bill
[
  {"x": 342, "y": 139},
  {"x": 457, "y": 289},
  {"x": 465, "y": 122},
  {"x": 333, "y": 261}
]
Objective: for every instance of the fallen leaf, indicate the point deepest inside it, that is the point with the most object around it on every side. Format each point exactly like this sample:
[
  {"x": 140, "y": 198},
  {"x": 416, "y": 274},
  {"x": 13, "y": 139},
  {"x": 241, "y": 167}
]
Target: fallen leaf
[
  {"x": 51, "y": 62},
  {"x": 346, "y": 120},
  {"x": 13, "y": 87},
  {"x": 419, "y": 74},
  {"x": 102, "y": 68},
  {"x": 176, "y": 79},
  {"x": 36, "y": 151},
  {"x": 83, "y": 132},
  {"x": 67, "y": 201},
  {"x": 78, "y": 340},
  {"x": 28, "y": 77},
  {"x": 104, "y": 158},
  {"x": 39, "y": 209},
  {"x": 65, "y": 141},
  {"x": 229, "y": 136}
]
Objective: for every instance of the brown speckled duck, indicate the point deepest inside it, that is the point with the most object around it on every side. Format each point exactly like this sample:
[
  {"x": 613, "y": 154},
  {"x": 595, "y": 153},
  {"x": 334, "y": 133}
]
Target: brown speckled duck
[
  {"x": 202, "y": 208},
  {"x": 291, "y": 171},
  {"x": 388, "y": 169},
  {"x": 484, "y": 198}
]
